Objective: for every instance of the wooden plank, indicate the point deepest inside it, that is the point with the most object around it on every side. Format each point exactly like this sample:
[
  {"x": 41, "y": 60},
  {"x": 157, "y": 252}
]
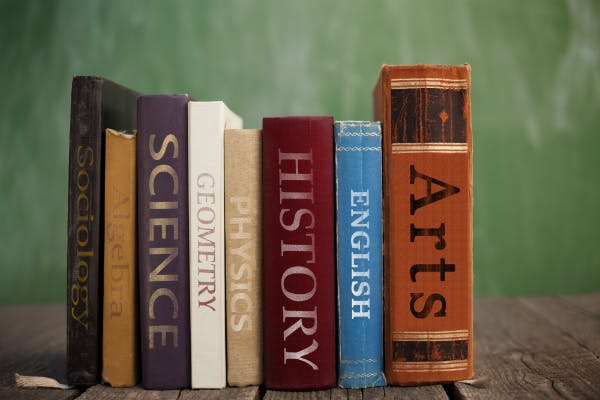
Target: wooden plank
[
  {"x": 342, "y": 394},
  {"x": 573, "y": 319},
  {"x": 520, "y": 353},
  {"x": 589, "y": 302},
  {"x": 33, "y": 342},
  {"x": 433, "y": 392},
  {"x": 104, "y": 392},
  {"x": 375, "y": 393},
  {"x": 244, "y": 393},
  {"x": 14, "y": 393},
  {"x": 305, "y": 395}
]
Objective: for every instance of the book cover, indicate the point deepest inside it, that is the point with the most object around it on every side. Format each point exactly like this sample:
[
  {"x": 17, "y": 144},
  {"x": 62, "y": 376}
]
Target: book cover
[
  {"x": 243, "y": 254},
  {"x": 96, "y": 103},
  {"x": 427, "y": 168},
  {"x": 163, "y": 252},
  {"x": 120, "y": 340},
  {"x": 359, "y": 257},
  {"x": 298, "y": 253},
  {"x": 207, "y": 122}
]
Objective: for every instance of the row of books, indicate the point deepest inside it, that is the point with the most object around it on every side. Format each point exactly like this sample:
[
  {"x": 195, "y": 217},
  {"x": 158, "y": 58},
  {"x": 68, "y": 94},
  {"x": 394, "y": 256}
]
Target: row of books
[{"x": 303, "y": 255}]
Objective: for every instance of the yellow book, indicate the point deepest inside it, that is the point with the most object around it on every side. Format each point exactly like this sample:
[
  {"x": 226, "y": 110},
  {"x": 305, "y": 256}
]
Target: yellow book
[{"x": 120, "y": 317}]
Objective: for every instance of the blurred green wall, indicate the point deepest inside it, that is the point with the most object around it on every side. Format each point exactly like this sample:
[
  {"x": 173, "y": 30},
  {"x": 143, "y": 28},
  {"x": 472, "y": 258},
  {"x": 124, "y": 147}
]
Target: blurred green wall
[{"x": 535, "y": 103}]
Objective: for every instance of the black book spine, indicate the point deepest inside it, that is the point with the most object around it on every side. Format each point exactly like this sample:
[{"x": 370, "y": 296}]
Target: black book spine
[
  {"x": 163, "y": 244},
  {"x": 85, "y": 228}
]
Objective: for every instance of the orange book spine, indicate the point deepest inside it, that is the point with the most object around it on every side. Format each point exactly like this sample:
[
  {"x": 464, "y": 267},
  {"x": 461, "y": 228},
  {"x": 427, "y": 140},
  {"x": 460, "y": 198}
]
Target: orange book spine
[
  {"x": 120, "y": 316},
  {"x": 428, "y": 193}
]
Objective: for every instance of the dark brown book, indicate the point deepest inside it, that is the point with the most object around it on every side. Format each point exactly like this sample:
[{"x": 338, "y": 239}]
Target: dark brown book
[
  {"x": 298, "y": 253},
  {"x": 96, "y": 104},
  {"x": 428, "y": 193}
]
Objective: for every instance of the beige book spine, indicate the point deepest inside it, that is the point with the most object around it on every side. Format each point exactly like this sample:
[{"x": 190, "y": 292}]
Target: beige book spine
[
  {"x": 243, "y": 256},
  {"x": 120, "y": 317}
]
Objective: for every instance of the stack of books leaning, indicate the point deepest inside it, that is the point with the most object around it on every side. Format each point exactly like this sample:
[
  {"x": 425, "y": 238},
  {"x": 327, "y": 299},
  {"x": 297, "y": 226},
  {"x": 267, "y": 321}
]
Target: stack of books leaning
[{"x": 304, "y": 255}]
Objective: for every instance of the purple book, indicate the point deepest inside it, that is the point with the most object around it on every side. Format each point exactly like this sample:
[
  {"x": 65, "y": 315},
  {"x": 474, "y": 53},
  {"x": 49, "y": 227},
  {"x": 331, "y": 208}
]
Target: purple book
[{"x": 163, "y": 241}]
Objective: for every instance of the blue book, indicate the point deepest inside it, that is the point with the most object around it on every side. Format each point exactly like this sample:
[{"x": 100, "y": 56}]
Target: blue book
[{"x": 359, "y": 257}]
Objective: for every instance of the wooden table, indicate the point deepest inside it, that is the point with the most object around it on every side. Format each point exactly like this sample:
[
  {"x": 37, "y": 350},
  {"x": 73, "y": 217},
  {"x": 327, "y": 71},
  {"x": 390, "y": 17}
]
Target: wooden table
[{"x": 544, "y": 347}]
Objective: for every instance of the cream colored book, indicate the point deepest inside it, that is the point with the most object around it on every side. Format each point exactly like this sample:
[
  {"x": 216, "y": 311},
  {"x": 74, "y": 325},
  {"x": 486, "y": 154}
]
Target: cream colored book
[
  {"x": 243, "y": 256},
  {"x": 207, "y": 122}
]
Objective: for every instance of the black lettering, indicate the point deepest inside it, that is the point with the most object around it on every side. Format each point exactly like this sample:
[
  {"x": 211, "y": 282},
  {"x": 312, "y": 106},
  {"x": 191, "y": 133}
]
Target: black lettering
[
  {"x": 428, "y": 305},
  {"x": 415, "y": 204}
]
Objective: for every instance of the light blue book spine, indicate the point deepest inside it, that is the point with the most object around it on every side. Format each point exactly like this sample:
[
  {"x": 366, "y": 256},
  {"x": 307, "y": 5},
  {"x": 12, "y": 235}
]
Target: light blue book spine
[{"x": 359, "y": 253}]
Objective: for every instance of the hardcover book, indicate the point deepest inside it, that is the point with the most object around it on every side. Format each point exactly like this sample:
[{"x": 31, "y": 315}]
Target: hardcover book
[
  {"x": 162, "y": 166},
  {"x": 427, "y": 169},
  {"x": 207, "y": 122},
  {"x": 359, "y": 259},
  {"x": 96, "y": 103},
  {"x": 298, "y": 253},
  {"x": 120, "y": 340},
  {"x": 243, "y": 254}
]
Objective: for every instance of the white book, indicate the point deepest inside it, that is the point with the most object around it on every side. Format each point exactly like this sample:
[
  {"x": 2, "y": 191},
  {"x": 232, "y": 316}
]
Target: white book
[{"x": 207, "y": 121}]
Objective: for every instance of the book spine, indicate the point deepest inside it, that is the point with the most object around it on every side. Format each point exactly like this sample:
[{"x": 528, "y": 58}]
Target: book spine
[
  {"x": 298, "y": 253},
  {"x": 359, "y": 260},
  {"x": 427, "y": 146},
  {"x": 162, "y": 166},
  {"x": 243, "y": 244},
  {"x": 207, "y": 121},
  {"x": 84, "y": 232},
  {"x": 120, "y": 313}
]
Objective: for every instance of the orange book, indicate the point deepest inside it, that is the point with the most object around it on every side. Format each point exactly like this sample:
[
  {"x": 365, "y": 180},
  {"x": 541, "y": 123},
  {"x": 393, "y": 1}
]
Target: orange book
[
  {"x": 428, "y": 194},
  {"x": 120, "y": 317}
]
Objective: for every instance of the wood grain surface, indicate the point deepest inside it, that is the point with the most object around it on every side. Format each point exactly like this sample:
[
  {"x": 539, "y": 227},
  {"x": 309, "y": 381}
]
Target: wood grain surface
[{"x": 525, "y": 348}]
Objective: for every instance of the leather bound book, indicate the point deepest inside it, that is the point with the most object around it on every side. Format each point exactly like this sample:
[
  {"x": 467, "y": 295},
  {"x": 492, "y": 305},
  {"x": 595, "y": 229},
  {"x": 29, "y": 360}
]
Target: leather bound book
[
  {"x": 207, "y": 122},
  {"x": 96, "y": 103},
  {"x": 120, "y": 340},
  {"x": 298, "y": 253},
  {"x": 243, "y": 245},
  {"x": 427, "y": 169},
  {"x": 359, "y": 262},
  {"x": 162, "y": 168}
]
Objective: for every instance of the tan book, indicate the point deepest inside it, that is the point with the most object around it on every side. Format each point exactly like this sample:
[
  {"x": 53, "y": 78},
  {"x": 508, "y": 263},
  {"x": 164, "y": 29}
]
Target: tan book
[
  {"x": 120, "y": 317},
  {"x": 243, "y": 256}
]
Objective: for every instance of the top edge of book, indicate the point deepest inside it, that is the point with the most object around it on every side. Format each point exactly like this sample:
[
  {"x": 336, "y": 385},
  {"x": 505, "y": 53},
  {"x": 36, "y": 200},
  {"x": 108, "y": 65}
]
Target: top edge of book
[
  {"x": 164, "y": 95},
  {"x": 426, "y": 76},
  {"x": 195, "y": 104},
  {"x": 358, "y": 128},
  {"x": 302, "y": 118},
  {"x": 123, "y": 134}
]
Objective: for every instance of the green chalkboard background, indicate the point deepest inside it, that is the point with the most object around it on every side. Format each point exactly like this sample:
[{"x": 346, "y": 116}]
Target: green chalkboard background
[{"x": 535, "y": 102}]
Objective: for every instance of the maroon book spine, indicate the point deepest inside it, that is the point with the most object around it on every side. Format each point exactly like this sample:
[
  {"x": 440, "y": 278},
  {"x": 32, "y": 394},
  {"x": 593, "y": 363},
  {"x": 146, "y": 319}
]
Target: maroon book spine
[
  {"x": 298, "y": 251},
  {"x": 162, "y": 168}
]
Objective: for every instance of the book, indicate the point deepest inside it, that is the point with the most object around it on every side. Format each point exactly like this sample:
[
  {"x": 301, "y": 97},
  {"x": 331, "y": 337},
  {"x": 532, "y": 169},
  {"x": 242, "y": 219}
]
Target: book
[
  {"x": 243, "y": 254},
  {"x": 427, "y": 168},
  {"x": 96, "y": 103},
  {"x": 298, "y": 253},
  {"x": 359, "y": 257},
  {"x": 207, "y": 121},
  {"x": 162, "y": 172},
  {"x": 120, "y": 340}
]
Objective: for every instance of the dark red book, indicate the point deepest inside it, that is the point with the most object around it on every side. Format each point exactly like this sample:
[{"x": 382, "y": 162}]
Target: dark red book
[
  {"x": 298, "y": 252},
  {"x": 96, "y": 104},
  {"x": 162, "y": 181}
]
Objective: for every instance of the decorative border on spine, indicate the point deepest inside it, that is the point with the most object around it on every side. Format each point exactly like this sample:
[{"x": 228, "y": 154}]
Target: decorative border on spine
[
  {"x": 398, "y": 148},
  {"x": 429, "y": 83}
]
